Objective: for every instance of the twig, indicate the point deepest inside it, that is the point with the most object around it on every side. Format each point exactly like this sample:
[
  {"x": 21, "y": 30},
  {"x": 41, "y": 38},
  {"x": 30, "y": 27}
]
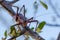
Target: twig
[{"x": 32, "y": 34}]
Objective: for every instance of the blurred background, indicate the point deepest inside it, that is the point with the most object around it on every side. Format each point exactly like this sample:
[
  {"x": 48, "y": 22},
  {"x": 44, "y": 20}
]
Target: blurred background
[{"x": 51, "y": 16}]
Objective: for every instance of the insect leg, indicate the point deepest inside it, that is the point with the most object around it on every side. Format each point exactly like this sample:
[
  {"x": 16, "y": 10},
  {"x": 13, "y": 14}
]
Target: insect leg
[
  {"x": 30, "y": 19},
  {"x": 17, "y": 15},
  {"x": 33, "y": 21},
  {"x": 23, "y": 7}
]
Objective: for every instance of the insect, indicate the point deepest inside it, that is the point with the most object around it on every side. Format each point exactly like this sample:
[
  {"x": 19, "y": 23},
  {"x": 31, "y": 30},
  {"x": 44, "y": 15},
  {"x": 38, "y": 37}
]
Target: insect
[
  {"x": 21, "y": 19},
  {"x": 8, "y": 7}
]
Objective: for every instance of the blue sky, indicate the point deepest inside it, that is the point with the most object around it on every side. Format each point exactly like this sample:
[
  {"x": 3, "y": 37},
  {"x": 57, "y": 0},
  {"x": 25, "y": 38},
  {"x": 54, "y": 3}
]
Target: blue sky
[{"x": 49, "y": 16}]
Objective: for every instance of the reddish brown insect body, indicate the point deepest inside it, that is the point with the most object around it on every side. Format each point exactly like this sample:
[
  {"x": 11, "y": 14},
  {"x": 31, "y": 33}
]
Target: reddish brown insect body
[{"x": 22, "y": 19}]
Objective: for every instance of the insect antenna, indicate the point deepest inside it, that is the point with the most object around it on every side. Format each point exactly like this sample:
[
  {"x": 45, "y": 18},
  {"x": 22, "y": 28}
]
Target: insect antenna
[
  {"x": 23, "y": 7},
  {"x": 24, "y": 11},
  {"x": 17, "y": 13}
]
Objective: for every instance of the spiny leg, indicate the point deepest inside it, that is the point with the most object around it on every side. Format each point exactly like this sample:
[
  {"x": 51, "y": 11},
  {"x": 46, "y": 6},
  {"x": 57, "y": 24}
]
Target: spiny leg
[
  {"x": 23, "y": 7},
  {"x": 24, "y": 11},
  {"x": 17, "y": 15},
  {"x": 30, "y": 19},
  {"x": 15, "y": 7},
  {"x": 33, "y": 21}
]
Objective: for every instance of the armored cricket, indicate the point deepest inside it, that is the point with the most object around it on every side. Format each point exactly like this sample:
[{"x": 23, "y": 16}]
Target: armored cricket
[{"x": 20, "y": 19}]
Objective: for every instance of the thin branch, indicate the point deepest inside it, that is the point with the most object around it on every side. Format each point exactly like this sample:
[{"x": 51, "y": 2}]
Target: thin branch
[
  {"x": 57, "y": 25},
  {"x": 32, "y": 34}
]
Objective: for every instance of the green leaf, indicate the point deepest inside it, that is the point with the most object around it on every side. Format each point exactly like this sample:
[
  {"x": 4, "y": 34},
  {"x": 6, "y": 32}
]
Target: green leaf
[
  {"x": 44, "y": 5},
  {"x": 12, "y": 28},
  {"x": 13, "y": 33},
  {"x": 32, "y": 28},
  {"x": 5, "y": 34},
  {"x": 40, "y": 26},
  {"x": 18, "y": 33},
  {"x": 38, "y": 30}
]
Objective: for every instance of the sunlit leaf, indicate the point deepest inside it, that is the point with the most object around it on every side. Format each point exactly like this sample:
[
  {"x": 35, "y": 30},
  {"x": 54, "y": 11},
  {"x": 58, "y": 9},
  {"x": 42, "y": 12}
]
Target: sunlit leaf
[
  {"x": 40, "y": 26},
  {"x": 13, "y": 33},
  {"x": 12, "y": 28},
  {"x": 44, "y": 5},
  {"x": 32, "y": 28},
  {"x": 5, "y": 34},
  {"x": 18, "y": 33},
  {"x": 38, "y": 30}
]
